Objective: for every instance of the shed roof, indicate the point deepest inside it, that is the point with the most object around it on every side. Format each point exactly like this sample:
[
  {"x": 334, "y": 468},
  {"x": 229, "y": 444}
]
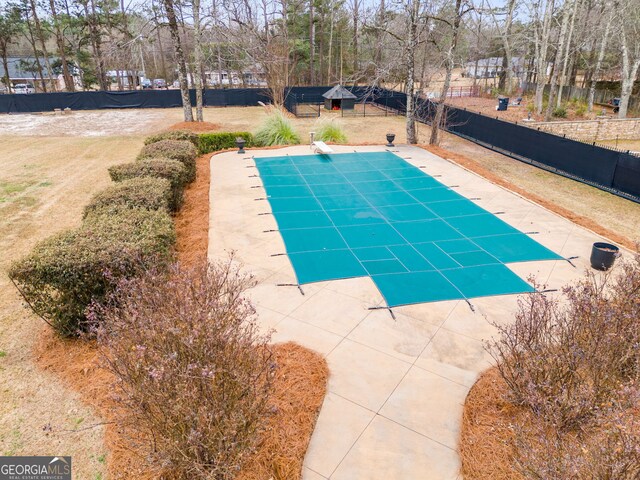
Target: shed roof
[{"x": 338, "y": 92}]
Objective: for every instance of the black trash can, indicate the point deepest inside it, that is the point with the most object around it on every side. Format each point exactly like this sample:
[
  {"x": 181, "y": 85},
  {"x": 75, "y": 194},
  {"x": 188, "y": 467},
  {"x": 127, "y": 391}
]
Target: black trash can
[
  {"x": 603, "y": 255},
  {"x": 503, "y": 103}
]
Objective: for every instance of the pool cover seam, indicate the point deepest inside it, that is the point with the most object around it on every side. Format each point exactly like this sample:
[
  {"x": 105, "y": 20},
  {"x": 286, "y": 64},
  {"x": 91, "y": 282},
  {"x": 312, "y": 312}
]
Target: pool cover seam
[
  {"x": 334, "y": 226},
  {"x": 403, "y": 237},
  {"x": 445, "y": 221}
]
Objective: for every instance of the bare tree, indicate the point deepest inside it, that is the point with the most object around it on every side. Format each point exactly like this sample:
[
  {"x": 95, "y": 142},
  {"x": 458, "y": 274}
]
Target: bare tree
[
  {"x": 180, "y": 60},
  {"x": 505, "y": 30},
  {"x": 629, "y": 19},
  {"x": 542, "y": 14},
  {"x": 609, "y": 13},
  {"x": 438, "y": 119}
]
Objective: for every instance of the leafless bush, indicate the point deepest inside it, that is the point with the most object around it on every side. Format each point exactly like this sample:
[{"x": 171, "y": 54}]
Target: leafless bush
[
  {"x": 565, "y": 357},
  {"x": 191, "y": 366},
  {"x": 607, "y": 448}
]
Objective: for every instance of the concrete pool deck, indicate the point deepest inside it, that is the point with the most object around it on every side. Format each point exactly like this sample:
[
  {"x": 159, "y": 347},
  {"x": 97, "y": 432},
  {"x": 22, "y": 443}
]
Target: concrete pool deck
[{"x": 396, "y": 389}]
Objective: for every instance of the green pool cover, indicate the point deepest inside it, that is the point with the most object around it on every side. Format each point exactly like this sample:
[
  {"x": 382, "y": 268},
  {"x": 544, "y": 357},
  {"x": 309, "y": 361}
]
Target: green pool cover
[{"x": 357, "y": 214}]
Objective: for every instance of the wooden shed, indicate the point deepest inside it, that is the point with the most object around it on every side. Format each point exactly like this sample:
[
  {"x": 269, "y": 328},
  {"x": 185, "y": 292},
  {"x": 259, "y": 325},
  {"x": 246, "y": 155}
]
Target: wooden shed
[{"x": 339, "y": 98}]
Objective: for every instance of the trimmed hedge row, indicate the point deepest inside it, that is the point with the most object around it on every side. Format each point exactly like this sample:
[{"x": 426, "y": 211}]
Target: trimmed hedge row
[
  {"x": 126, "y": 230},
  {"x": 174, "y": 135},
  {"x": 212, "y": 142},
  {"x": 64, "y": 274},
  {"x": 170, "y": 170},
  {"x": 180, "y": 150},
  {"x": 143, "y": 192}
]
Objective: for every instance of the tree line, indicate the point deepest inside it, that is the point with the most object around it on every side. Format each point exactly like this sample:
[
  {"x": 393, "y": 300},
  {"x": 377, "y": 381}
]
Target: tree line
[{"x": 404, "y": 44}]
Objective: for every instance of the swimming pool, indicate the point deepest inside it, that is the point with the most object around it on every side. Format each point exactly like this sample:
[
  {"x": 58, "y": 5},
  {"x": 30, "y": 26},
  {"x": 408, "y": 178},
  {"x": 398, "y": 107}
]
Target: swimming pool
[{"x": 374, "y": 214}]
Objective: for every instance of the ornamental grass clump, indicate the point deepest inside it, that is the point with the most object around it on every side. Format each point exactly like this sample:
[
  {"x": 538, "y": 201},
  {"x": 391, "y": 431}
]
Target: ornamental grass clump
[
  {"x": 277, "y": 129},
  {"x": 142, "y": 192},
  {"x": 64, "y": 274},
  {"x": 171, "y": 170},
  {"x": 192, "y": 367},
  {"x": 331, "y": 131},
  {"x": 180, "y": 150}
]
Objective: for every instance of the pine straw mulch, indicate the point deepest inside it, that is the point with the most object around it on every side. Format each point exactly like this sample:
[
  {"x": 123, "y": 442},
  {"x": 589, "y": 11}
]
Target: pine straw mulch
[
  {"x": 496, "y": 435},
  {"x": 200, "y": 127},
  {"x": 299, "y": 385},
  {"x": 476, "y": 167},
  {"x": 485, "y": 438}
]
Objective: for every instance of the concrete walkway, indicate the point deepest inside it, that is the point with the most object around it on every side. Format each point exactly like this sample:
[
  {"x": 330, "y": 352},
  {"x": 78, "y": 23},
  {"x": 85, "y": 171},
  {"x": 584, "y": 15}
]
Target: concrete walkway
[{"x": 397, "y": 386}]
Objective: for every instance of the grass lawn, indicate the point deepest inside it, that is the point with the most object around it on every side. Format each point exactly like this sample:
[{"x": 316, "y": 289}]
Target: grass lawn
[{"x": 44, "y": 185}]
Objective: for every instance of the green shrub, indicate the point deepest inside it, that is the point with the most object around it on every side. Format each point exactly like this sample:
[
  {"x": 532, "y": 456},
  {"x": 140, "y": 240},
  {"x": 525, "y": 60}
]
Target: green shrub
[
  {"x": 171, "y": 170},
  {"x": 330, "y": 131},
  {"x": 173, "y": 135},
  {"x": 212, "y": 142},
  {"x": 144, "y": 192},
  {"x": 179, "y": 150},
  {"x": 277, "y": 130},
  {"x": 581, "y": 109},
  {"x": 560, "y": 112},
  {"x": 64, "y": 274}
]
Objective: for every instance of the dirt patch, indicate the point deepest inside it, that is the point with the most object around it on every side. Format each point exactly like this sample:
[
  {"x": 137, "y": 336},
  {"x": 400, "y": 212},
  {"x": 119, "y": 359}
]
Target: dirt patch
[
  {"x": 196, "y": 126},
  {"x": 579, "y": 219}
]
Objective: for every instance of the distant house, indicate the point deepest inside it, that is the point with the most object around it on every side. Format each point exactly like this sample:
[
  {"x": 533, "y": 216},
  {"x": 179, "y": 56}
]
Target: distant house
[
  {"x": 253, "y": 76},
  {"x": 24, "y": 69},
  {"x": 125, "y": 79},
  {"x": 492, "y": 67}
]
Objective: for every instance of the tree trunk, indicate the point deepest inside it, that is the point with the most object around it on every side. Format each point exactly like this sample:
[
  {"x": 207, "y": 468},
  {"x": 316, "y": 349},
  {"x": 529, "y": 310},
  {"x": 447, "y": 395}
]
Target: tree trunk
[
  {"x": 356, "y": 64},
  {"x": 312, "y": 44},
  {"x": 32, "y": 42},
  {"x": 96, "y": 44},
  {"x": 601, "y": 52},
  {"x": 197, "y": 59},
  {"x": 5, "y": 65},
  {"x": 541, "y": 46},
  {"x": 565, "y": 62},
  {"x": 43, "y": 45},
  {"x": 182, "y": 67},
  {"x": 558, "y": 58},
  {"x": 66, "y": 74},
  {"x": 439, "y": 118},
  {"x": 410, "y": 60}
]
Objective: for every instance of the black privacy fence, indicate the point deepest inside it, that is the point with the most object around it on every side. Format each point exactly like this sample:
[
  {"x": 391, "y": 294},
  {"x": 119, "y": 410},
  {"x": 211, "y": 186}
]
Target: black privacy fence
[
  {"x": 612, "y": 170},
  {"x": 43, "y": 102},
  {"x": 608, "y": 169},
  {"x": 313, "y": 95}
]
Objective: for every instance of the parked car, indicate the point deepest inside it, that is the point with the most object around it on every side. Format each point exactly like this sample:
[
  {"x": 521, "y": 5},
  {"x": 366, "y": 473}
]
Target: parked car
[
  {"x": 146, "y": 84},
  {"x": 159, "y": 83},
  {"x": 23, "y": 88}
]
